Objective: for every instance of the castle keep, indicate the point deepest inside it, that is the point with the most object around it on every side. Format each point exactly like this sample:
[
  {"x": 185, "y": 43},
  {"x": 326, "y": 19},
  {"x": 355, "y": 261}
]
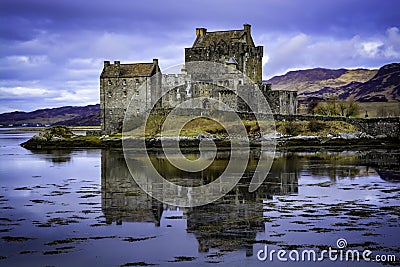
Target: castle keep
[
  {"x": 234, "y": 49},
  {"x": 228, "y": 47}
]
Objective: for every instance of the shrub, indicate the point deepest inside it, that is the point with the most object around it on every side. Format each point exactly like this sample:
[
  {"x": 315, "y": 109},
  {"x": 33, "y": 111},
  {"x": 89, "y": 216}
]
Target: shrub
[
  {"x": 352, "y": 108},
  {"x": 291, "y": 128},
  {"x": 316, "y": 126},
  {"x": 62, "y": 131},
  {"x": 311, "y": 107}
]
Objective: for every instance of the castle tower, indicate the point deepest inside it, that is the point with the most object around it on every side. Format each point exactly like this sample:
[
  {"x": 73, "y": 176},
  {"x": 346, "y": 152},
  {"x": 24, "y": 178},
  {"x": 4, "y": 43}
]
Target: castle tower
[
  {"x": 228, "y": 46},
  {"x": 118, "y": 83}
]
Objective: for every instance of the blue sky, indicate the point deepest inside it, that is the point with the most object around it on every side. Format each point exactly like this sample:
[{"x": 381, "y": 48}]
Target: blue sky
[{"x": 52, "y": 52}]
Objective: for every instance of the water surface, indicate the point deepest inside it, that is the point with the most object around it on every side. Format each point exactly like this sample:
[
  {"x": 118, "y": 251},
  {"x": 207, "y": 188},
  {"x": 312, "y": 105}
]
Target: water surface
[{"x": 81, "y": 207}]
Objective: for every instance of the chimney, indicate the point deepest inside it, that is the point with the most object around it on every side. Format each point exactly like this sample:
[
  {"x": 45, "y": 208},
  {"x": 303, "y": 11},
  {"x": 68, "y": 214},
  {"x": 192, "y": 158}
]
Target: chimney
[
  {"x": 247, "y": 28},
  {"x": 106, "y": 63},
  {"x": 155, "y": 61},
  {"x": 200, "y": 32}
]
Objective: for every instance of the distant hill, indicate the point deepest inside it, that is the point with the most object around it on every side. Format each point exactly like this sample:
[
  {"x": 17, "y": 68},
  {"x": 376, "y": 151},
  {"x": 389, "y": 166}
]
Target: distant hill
[
  {"x": 363, "y": 85},
  {"x": 69, "y": 115}
]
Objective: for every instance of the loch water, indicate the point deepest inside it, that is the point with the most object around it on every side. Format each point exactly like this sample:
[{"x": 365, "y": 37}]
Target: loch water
[{"x": 81, "y": 207}]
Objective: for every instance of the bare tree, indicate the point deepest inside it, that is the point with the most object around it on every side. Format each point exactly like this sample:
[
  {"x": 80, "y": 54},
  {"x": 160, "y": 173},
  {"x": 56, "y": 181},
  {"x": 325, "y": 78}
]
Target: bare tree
[
  {"x": 342, "y": 105},
  {"x": 352, "y": 108}
]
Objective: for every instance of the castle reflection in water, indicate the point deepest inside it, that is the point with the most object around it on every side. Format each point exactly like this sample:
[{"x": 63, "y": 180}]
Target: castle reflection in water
[{"x": 231, "y": 223}]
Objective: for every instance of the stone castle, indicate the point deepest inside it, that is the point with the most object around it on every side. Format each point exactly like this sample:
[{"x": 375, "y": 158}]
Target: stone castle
[{"x": 235, "y": 49}]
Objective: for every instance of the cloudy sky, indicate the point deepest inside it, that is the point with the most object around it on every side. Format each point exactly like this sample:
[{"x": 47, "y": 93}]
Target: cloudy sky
[{"x": 52, "y": 52}]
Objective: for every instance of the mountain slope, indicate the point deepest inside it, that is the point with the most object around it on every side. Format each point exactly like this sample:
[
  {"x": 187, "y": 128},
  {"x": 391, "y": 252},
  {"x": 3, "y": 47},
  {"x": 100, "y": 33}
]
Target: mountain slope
[
  {"x": 384, "y": 85},
  {"x": 312, "y": 80},
  {"x": 92, "y": 119},
  {"x": 361, "y": 84},
  {"x": 52, "y": 115}
]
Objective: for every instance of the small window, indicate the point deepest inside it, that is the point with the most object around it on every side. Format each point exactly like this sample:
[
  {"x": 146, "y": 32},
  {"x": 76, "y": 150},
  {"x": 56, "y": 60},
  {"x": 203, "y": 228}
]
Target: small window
[
  {"x": 125, "y": 93},
  {"x": 109, "y": 82},
  {"x": 123, "y": 82},
  {"x": 137, "y": 92},
  {"x": 109, "y": 94},
  {"x": 137, "y": 81}
]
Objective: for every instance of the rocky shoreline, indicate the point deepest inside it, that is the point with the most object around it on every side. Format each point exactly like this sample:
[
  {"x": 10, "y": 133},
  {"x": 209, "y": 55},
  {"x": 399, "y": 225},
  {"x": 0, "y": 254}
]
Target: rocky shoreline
[{"x": 59, "y": 138}]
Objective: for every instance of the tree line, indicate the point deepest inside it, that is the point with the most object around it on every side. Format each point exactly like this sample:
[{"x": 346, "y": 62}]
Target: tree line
[{"x": 334, "y": 107}]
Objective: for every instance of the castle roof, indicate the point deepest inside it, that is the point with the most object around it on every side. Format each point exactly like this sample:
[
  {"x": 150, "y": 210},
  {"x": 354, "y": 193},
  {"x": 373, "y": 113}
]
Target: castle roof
[
  {"x": 211, "y": 38},
  {"x": 128, "y": 70},
  {"x": 206, "y": 39}
]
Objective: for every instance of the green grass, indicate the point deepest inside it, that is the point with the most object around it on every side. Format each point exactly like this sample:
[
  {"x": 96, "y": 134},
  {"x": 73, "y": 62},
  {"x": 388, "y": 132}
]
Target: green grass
[
  {"x": 303, "y": 127},
  {"x": 203, "y": 126},
  {"x": 209, "y": 126},
  {"x": 191, "y": 128}
]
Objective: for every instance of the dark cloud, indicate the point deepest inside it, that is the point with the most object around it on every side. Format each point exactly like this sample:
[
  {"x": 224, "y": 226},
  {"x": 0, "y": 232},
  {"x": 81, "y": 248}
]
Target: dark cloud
[{"x": 56, "y": 48}]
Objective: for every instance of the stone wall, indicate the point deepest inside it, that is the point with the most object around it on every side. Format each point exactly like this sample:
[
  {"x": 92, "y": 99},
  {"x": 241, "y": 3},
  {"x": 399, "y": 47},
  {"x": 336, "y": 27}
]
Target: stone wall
[
  {"x": 117, "y": 89},
  {"x": 282, "y": 102},
  {"x": 249, "y": 58},
  {"x": 115, "y": 94},
  {"x": 372, "y": 126},
  {"x": 389, "y": 127}
]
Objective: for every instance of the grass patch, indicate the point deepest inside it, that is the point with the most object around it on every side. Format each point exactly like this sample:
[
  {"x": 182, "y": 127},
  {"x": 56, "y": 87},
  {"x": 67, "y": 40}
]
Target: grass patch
[
  {"x": 203, "y": 126},
  {"x": 197, "y": 126},
  {"x": 313, "y": 127}
]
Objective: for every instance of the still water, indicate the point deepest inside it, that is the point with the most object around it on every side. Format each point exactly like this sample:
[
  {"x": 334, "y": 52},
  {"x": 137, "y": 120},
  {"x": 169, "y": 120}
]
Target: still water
[{"x": 81, "y": 207}]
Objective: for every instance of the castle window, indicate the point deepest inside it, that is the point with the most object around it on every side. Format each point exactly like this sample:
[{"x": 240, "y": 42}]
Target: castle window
[
  {"x": 240, "y": 82},
  {"x": 125, "y": 93},
  {"x": 137, "y": 81},
  {"x": 137, "y": 92},
  {"x": 109, "y": 94},
  {"x": 109, "y": 82},
  {"x": 124, "y": 82}
]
